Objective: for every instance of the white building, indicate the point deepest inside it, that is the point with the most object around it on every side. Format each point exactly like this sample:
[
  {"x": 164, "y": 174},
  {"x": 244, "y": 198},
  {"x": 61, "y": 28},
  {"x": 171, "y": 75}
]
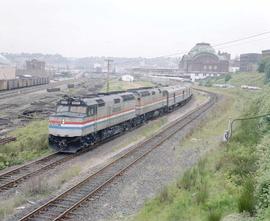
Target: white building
[
  {"x": 198, "y": 76},
  {"x": 127, "y": 78}
]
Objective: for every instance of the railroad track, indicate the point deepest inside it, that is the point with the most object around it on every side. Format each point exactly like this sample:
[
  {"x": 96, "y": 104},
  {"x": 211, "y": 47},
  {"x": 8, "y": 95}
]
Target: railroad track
[
  {"x": 6, "y": 140},
  {"x": 19, "y": 91},
  {"x": 64, "y": 205},
  {"x": 14, "y": 177},
  {"x": 11, "y": 178}
]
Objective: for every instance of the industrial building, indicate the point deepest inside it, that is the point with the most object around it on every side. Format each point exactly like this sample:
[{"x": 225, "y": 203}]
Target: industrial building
[
  {"x": 7, "y": 71},
  {"x": 35, "y": 67},
  {"x": 266, "y": 53},
  {"x": 249, "y": 62},
  {"x": 203, "y": 59}
]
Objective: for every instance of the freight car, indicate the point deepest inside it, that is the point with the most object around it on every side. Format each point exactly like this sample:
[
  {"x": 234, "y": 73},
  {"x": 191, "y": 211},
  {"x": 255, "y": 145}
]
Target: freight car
[
  {"x": 80, "y": 122},
  {"x": 17, "y": 83}
]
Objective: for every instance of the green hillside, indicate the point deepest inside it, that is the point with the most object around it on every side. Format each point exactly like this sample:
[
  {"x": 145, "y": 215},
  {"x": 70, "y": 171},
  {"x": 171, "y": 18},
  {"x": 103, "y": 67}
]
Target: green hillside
[{"x": 232, "y": 182}]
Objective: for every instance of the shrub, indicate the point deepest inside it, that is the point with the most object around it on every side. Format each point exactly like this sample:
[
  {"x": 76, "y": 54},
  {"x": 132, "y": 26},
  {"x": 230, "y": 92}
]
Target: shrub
[
  {"x": 208, "y": 83},
  {"x": 246, "y": 201},
  {"x": 188, "y": 180},
  {"x": 36, "y": 185},
  {"x": 267, "y": 71},
  {"x": 164, "y": 196},
  {"x": 202, "y": 193},
  {"x": 214, "y": 215},
  {"x": 264, "y": 194},
  {"x": 68, "y": 174},
  {"x": 227, "y": 77},
  {"x": 243, "y": 166}
]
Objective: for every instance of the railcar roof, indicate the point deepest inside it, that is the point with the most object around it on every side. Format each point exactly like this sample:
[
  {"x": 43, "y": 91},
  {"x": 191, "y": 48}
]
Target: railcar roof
[{"x": 105, "y": 98}]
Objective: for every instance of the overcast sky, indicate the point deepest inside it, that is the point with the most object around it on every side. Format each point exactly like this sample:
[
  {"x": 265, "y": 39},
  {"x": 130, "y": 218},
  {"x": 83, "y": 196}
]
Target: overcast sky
[{"x": 130, "y": 28}]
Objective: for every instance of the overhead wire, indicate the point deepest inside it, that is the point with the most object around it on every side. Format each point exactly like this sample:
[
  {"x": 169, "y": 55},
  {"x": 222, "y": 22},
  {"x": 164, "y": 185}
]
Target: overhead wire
[{"x": 221, "y": 44}]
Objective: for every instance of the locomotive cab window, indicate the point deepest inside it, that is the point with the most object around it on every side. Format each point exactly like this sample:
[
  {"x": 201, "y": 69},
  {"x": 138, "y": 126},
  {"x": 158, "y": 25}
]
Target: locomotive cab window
[
  {"x": 62, "y": 109},
  {"x": 78, "y": 109}
]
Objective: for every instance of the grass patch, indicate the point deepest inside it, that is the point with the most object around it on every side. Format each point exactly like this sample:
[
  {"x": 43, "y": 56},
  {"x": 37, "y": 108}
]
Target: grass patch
[
  {"x": 117, "y": 85},
  {"x": 36, "y": 186},
  {"x": 246, "y": 201},
  {"x": 238, "y": 79},
  {"x": 68, "y": 174},
  {"x": 8, "y": 206},
  {"x": 214, "y": 215},
  {"x": 32, "y": 142}
]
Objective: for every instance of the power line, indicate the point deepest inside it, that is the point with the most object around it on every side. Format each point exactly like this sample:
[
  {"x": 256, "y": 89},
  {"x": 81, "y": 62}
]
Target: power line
[
  {"x": 237, "y": 43},
  {"x": 241, "y": 39},
  {"x": 220, "y": 44}
]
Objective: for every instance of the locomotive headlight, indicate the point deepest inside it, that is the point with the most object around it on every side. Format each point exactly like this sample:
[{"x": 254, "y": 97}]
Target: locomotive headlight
[{"x": 63, "y": 121}]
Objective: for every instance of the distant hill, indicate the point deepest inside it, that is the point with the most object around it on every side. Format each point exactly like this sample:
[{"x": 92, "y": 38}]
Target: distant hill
[{"x": 58, "y": 60}]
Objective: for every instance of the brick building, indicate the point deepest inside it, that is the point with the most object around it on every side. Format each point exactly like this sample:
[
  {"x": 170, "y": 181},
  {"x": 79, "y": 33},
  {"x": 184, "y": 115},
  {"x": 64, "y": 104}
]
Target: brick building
[
  {"x": 203, "y": 59},
  {"x": 35, "y": 67},
  {"x": 249, "y": 62}
]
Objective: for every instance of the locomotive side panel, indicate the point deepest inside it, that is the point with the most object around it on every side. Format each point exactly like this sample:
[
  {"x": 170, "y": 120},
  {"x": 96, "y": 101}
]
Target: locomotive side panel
[{"x": 149, "y": 100}]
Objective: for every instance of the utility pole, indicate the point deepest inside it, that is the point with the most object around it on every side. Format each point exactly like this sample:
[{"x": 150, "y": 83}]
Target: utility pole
[{"x": 108, "y": 69}]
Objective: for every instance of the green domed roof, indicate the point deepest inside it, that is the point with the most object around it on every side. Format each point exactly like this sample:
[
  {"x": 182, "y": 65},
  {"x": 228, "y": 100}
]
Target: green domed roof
[{"x": 201, "y": 48}]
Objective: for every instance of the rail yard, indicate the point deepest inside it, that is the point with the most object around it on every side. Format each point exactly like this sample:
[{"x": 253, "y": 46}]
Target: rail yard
[
  {"x": 106, "y": 172},
  {"x": 38, "y": 104}
]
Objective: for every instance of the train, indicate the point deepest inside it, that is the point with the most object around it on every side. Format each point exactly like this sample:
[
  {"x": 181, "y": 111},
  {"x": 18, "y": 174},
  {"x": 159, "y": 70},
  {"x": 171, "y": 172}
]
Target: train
[
  {"x": 82, "y": 122},
  {"x": 17, "y": 83}
]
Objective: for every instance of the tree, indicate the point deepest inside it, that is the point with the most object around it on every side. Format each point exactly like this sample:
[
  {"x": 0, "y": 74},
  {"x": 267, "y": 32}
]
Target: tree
[
  {"x": 267, "y": 71},
  {"x": 227, "y": 77},
  {"x": 262, "y": 64}
]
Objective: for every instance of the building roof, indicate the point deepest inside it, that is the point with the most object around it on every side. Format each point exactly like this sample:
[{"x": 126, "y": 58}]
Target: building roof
[
  {"x": 4, "y": 60},
  {"x": 201, "y": 48}
]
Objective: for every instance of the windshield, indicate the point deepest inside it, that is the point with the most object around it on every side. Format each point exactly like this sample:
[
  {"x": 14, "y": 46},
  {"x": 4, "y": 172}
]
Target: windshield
[
  {"x": 78, "y": 109},
  {"x": 61, "y": 109}
]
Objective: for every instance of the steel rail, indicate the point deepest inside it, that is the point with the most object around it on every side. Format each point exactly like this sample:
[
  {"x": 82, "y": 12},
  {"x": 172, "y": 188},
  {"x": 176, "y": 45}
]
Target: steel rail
[
  {"x": 15, "y": 176},
  {"x": 62, "y": 205},
  {"x": 11, "y": 178},
  {"x": 7, "y": 140}
]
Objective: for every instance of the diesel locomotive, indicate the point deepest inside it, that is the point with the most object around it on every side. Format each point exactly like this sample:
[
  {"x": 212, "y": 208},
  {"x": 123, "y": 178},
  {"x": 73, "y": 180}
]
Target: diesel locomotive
[{"x": 81, "y": 122}]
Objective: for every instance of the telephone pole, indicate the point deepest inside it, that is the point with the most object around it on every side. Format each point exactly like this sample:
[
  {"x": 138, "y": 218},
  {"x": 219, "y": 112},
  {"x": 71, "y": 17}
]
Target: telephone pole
[{"x": 108, "y": 70}]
